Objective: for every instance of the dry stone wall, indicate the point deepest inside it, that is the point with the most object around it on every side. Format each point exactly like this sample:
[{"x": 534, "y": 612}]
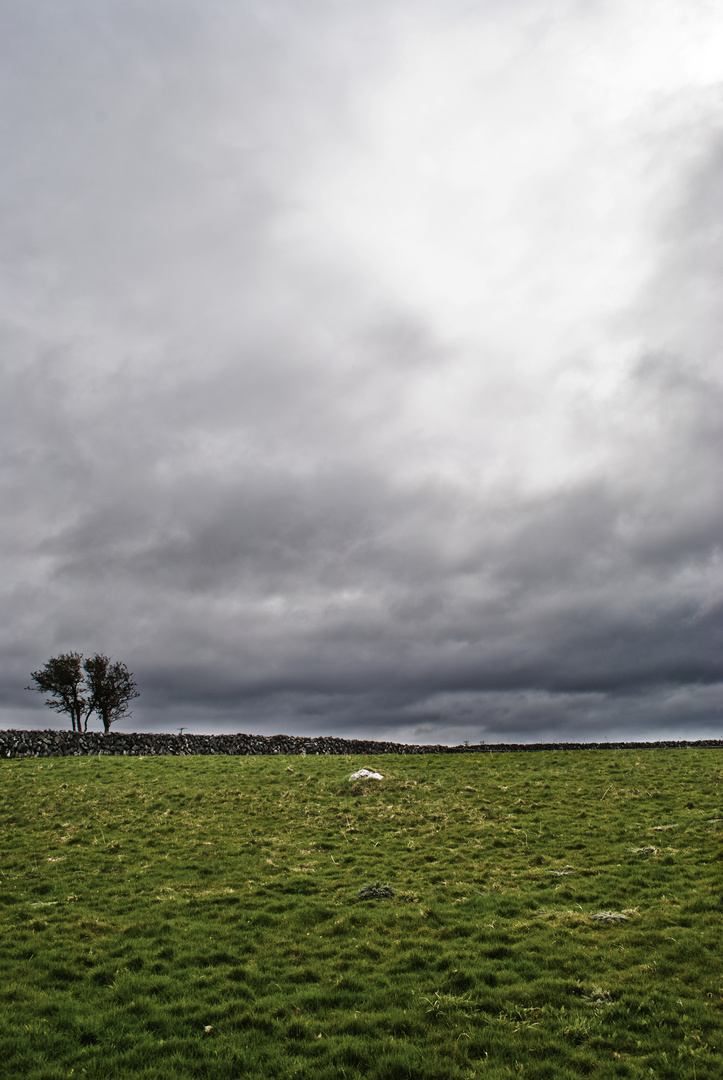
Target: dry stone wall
[{"x": 18, "y": 743}]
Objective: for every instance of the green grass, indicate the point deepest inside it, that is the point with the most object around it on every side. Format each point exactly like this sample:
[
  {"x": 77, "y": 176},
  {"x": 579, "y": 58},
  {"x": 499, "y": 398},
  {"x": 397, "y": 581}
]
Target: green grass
[{"x": 200, "y": 917}]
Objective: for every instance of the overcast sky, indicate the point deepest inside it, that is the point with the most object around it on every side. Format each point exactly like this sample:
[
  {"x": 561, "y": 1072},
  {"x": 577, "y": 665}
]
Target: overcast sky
[{"x": 361, "y": 363}]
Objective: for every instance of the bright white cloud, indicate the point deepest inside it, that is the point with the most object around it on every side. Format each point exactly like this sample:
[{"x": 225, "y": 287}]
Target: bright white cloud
[{"x": 510, "y": 179}]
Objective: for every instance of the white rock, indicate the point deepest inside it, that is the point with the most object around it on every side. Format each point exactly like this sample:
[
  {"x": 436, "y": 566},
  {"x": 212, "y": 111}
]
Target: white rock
[{"x": 366, "y": 774}]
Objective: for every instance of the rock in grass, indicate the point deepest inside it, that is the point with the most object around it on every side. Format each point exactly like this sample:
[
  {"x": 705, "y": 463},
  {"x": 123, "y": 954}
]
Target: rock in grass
[
  {"x": 366, "y": 774},
  {"x": 611, "y": 916},
  {"x": 375, "y": 891}
]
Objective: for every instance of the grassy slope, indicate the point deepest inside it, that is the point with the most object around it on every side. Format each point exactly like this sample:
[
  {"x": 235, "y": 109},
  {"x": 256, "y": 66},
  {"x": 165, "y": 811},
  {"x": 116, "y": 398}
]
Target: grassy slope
[{"x": 199, "y": 917}]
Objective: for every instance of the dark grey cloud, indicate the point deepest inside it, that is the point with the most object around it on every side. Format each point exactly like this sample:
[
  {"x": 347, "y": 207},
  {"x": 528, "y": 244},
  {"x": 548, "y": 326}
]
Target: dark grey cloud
[{"x": 324, "y": 424}]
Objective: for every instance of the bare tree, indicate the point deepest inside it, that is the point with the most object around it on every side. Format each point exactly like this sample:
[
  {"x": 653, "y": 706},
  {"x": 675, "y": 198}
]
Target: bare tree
[
  {"x": 111, "y": 687},
  {"x": 62, "y": 678}
]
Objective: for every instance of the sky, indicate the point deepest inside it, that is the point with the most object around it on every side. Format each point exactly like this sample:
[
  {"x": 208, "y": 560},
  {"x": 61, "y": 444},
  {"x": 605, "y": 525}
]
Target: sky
[{"x": 360, "y": 363}]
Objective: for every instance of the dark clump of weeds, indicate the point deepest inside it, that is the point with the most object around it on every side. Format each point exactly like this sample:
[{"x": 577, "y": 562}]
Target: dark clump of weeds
[{"x": 375, "y": 891}]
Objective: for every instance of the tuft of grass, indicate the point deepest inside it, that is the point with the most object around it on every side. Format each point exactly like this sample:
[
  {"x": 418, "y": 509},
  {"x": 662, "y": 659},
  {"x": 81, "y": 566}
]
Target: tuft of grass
[
  {"x": 375, "y": 891},
  {"x": 547, "y": 915}
]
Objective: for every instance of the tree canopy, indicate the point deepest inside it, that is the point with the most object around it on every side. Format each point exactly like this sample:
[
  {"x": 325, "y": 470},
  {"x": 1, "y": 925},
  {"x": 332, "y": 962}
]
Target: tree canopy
[
  {"x": 111, "y": 688},
  {"x": 80, "y": 687}
]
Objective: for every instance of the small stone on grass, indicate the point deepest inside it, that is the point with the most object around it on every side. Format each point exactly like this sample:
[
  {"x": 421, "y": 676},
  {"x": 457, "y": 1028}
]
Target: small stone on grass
[{"x": 366, "y": 774}]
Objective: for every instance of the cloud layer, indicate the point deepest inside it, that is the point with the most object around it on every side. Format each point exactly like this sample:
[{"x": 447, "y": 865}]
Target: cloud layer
[{"x": 361, "y": 366}]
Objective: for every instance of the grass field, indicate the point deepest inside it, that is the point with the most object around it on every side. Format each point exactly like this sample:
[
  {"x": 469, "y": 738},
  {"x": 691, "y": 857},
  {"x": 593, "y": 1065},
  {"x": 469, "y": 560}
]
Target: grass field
[{"x": 201, "y": 917}]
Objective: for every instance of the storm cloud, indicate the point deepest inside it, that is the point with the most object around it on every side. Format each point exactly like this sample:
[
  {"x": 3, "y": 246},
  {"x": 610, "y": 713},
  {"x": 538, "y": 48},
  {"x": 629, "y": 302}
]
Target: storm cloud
[{"x": 361, "y": 365}]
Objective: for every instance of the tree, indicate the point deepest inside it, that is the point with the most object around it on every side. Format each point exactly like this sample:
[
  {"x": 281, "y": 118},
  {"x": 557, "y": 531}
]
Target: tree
[
  {"x": 111, "y": 687},
  {"x": 80, "y": 688},
  {"x": 62, "y": 678}
]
